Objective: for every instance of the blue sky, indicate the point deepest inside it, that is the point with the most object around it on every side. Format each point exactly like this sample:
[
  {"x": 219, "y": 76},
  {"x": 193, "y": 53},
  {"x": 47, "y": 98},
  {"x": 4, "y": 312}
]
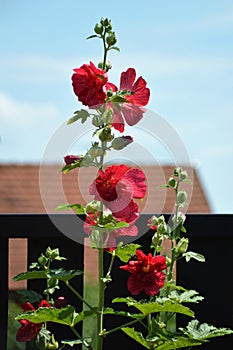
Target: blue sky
[{"x": 182, "y": 48}]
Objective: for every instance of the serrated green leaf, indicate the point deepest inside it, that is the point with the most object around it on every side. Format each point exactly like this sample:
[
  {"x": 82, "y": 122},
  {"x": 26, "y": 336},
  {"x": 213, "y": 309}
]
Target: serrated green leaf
[
  {"x": 168, "y": 306},
  {"x": 78, "y": 207},
  {"x": 204, "y": 331},
  {"x": 30, "y": 275},
  {"x": 125, "y": 252},
  {"x": 82, "y": 114},
  {"x": 63, "y": 316},
  {"x": 136, "y": 336},
  {"x": 79, "y": 317},
  {"x": 30, "y": 295},
  {"x": 149, "y": 308},
  {"x": 193, "y": 255},
  {"x": 65, "y": 275},
  {"x": 175, "y": 343},
  {"x": 190, "y": 296}
]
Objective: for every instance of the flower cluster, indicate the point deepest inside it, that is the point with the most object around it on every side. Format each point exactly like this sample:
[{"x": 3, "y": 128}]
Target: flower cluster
[{"x": 92, "y": 88}]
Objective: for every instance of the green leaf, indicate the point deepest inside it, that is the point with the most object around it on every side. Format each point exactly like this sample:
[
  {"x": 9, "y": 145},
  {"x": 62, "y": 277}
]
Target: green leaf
[
  {"x": 204, "y": 331},
  {"x": 82, "y": 114},
  {"x": 64, "y": 275},
  {"x": 114, "y": 48},
  {"x": 63, "y": 316},
  {"x": 168, "y": 306},
  {"x": 30, "y": 275},
  {"x": 125, "y": 252},
  {"x": 136, "y": 336},
  {"x": 193, "y": 255},
  {"x": 79, "y": 317},
  {"x": 149, "y": 308},
  {"x": 190, "y": 296},
  {"x": 110, "y": 311},
  {"x": 78, "y": 341},
  {"x": 30, "y": 295},
  {"x": 78, "y": 207},
  {"x": 92, "y": 36},
  {"x": 175, "y": 343}
]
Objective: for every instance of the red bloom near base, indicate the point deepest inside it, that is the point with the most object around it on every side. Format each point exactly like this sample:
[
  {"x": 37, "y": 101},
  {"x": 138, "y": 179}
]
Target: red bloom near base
[
  {"x": 146, "y": 273},
  {"x": 28, "y": 329}
]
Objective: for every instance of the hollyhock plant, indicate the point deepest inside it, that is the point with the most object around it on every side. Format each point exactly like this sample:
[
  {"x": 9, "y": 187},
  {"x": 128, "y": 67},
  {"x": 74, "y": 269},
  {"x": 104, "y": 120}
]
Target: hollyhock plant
[{"x": 110, "y": 221}]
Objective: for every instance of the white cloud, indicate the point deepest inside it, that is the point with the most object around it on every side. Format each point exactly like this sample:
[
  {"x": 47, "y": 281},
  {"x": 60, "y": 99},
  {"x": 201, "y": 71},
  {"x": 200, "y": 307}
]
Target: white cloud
[{"x": 22, "y": 112}]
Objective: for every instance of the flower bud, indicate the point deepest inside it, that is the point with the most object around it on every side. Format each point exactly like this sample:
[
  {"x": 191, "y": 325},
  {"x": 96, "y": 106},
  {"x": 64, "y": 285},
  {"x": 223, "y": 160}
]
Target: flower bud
[
  {"x": 183, "y": 175},
  {"x": 180, "y": 218},
  {"x": 181, "y": 197},
  {"x": 106, "y": 135},
  {"x": 156, "y": 239},
  {"x": 111, "y": 39},
  {"x": 104, "y": 22},
  {"x": 98, "y": 28},
  {"x": 121, "y": 142},
  {"x": 42, "y": 260},
  {"x": 107, "y": 67},
  {"x": 182, "y": 245},
  {"x": 162, "y": 228},
  {"x": 152, "y": 222},
  {"x": 172, "y": 182},
  {"x": 60, "y": 302},
  {"x": 97, "y": 121},
  {"x": 71, "y": 159},
  {"x": 177, "y": 171}
]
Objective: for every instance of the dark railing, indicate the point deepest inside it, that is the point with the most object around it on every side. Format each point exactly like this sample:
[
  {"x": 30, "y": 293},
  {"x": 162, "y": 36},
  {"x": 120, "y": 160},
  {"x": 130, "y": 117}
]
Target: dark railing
[{"x": 210, "y": 234}]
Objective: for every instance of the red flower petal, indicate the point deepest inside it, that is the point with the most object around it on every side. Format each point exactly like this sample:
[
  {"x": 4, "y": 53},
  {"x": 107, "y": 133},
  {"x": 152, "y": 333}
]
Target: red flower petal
[
  {"x": 135, "y": 182},
  {"x": 28, "y": 331},
  {"x": 127, "y": 79}
]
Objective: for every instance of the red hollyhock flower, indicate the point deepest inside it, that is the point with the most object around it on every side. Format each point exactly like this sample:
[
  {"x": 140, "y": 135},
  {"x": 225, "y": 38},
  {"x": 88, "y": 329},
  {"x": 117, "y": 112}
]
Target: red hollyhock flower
[
  {"x": 116, "y": 187},
  {"x": 141, "y": 93},
  {"x": 146, "y": 273},
  {"x": 88, "y": 84},
  {"x": 139, "y": 96},
  {"x": 28, "y": 329}
]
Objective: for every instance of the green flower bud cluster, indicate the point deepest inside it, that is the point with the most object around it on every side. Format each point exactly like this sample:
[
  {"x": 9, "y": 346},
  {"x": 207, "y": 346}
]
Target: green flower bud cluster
[
  {"x": 104, "y": 30},
  {"x": 182, "y": 246}
]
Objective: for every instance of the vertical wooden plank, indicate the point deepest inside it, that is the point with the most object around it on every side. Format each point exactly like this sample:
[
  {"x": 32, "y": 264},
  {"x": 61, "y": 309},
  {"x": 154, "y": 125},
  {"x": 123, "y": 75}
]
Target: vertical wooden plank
[{"x": 3, "y": 291}]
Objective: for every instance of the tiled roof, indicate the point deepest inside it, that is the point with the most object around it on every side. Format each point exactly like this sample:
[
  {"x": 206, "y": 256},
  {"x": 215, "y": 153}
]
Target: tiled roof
[
  {"x": 31, "y": 189},
  {"x": 22, "y": 186}
]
